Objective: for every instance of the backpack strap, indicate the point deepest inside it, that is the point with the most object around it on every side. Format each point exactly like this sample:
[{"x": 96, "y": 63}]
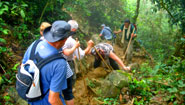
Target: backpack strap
[
  {"x": 43, "y": 62},
  {"x": 32, "y": 55}
]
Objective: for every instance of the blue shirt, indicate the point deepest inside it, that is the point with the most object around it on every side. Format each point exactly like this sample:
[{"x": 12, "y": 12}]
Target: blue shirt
[
  {"x": 53, "y": 74},
  {"x": 106, "y": 32}
]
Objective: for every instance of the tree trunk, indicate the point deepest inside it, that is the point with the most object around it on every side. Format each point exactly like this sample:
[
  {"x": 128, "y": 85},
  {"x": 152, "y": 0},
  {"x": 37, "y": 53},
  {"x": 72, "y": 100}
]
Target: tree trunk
[{"x": 137, "y": 12}]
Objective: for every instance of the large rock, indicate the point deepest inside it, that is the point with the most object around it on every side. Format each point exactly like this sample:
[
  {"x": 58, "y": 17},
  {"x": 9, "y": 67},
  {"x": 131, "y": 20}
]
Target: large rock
[
  {"x": 118, "y": 79},
  {"x": 108, "y": 89},
  {"x": 111, "y": 85}
]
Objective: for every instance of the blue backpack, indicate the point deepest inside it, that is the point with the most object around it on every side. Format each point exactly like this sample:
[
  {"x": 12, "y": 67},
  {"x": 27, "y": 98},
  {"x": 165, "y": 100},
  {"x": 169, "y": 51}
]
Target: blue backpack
[{"x": 28, "y": 80}]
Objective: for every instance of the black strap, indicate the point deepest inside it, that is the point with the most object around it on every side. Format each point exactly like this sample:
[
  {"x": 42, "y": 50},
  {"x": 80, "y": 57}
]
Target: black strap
[
  {"x": 43, "y": 62},
  {"x": 32, "y": 55}
]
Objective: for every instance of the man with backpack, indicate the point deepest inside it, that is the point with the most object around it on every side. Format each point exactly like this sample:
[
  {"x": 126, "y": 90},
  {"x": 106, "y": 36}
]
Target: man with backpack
[
  {"x": 106, "y": 33},
  {"x": 52, "y": 74},
  {"x": 67, "y": 93},
  {"x": 128, "y": 33}
]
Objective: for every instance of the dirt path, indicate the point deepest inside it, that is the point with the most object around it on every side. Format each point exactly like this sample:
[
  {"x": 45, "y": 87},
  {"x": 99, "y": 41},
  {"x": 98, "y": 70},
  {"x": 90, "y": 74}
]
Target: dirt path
[{"x": 83, "y": 97}]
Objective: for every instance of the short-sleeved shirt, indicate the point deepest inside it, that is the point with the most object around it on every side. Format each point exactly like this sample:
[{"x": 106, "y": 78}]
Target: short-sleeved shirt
[
  {"x": 53, "y": 74},
  {"x": 107, "y": 48},
  {"x": 131, "y": 29},
  {"x": 69, "y": 71},
  {"x": 107, "y": 33},
  {"x": 70, "y": 42}
]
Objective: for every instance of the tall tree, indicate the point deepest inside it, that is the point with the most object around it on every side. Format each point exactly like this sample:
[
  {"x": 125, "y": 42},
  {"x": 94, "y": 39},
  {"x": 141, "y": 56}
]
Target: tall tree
[{"x": 137, "y": 12}]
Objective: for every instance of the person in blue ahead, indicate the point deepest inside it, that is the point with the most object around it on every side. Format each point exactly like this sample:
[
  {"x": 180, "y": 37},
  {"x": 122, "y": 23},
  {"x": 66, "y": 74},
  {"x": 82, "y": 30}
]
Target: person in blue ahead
[
  {"x": 106, "y": 33},
  {"x": 53, "y": 74}
]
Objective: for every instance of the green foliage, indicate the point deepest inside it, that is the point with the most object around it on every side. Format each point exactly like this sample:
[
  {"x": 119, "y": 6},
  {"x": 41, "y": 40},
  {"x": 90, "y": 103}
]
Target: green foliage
[
  {"x": 109, "y": 101},
  {"x": 2, "y": 49},
  {"x": 14, "y": 68},
  {"x": 175, "y": 9},
  {"x": 155, "y": 33},
  {"x": 162, "y": 79}
]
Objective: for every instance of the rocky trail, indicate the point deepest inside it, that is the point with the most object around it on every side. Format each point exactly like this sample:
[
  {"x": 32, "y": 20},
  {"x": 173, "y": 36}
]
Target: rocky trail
[
  {"x": 87, "y": 96},
  {"x": 83, "y": 96}
]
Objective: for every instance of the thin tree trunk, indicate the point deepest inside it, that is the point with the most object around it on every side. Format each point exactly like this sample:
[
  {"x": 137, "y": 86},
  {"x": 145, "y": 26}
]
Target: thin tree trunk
[{"x": 137, "y": 12}]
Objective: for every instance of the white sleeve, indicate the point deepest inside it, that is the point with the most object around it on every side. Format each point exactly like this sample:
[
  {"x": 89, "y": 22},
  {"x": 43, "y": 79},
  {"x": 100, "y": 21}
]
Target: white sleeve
[
  {"x": 82, "y": 53},
  {"x": 70, "y": 42}
]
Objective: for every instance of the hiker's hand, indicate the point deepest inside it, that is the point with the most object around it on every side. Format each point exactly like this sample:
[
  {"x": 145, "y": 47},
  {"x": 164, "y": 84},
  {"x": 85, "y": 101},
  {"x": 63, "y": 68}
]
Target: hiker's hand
[
  {"x": 90, "y": 43},
  {"x": 77, "y": 44},
  {"x": 74, "y": 57},
  {"x": 115, "y": 32},
  {"x": 133, "y": 35},
  {"x": 127, "y": 68}
]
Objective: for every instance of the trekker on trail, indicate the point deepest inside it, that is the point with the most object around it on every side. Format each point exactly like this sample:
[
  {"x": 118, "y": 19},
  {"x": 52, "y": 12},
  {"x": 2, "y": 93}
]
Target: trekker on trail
[
  {"x": 70, "y": 49},
  {"x": 53, "y": 74},
  {"x": 43, "y": 26},
  {"x": 107, "y": 52},
  {"x": 106, "y": 34},
  {"x": 68, "y": 94},
  {"x": 129, "y": 31}
]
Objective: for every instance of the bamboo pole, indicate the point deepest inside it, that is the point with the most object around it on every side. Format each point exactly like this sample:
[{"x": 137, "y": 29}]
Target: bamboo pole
[
  {"x": 83, "y": 73},
  {"x": 128, "y": 44}
]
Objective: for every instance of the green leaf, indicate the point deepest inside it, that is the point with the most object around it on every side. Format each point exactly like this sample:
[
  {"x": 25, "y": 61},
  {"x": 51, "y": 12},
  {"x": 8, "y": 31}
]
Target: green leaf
[
  {"x": 2, "y": 40},
  {"x": 5, "y": 31},
  {"x": 172, "y": 90},
  {"x": 15, "y": 66},
  {"x": 182, "y": 92},
  {"x": 24, "y": 5},
  {"x": 181, "y": 84},
  {"x": 22, "y": 14},
  {"x": 2, "y": 49},
  {"x": 3, "y": 9}
]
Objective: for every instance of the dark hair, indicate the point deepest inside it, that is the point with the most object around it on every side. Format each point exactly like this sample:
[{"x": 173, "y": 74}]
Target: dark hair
[{"x": 127, "y": 21}]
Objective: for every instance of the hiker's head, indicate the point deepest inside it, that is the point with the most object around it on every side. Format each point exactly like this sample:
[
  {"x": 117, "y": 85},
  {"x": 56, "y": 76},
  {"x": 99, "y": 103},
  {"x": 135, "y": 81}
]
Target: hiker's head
[
  {"x": 57, "y": 33},
  {"x": 43, "y": 26},
  {"x": 103, "y": 25},
  {"x": 127, "y": 22},
  {"x": 99, "y": 50},
  {"x": 74, "y": 25}
]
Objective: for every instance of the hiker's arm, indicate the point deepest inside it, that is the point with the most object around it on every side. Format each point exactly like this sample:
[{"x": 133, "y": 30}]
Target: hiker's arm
[
  {"x": 54, "y": 98},
  {"x": 90, "y": 44},
  {"x": 117, "y": 32},
  {"x": 101, "y": 33},
  {"x": 120, "y": 30},
  {"x": 118, "y": 60},
  {"x": 70, "y": 51}
]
